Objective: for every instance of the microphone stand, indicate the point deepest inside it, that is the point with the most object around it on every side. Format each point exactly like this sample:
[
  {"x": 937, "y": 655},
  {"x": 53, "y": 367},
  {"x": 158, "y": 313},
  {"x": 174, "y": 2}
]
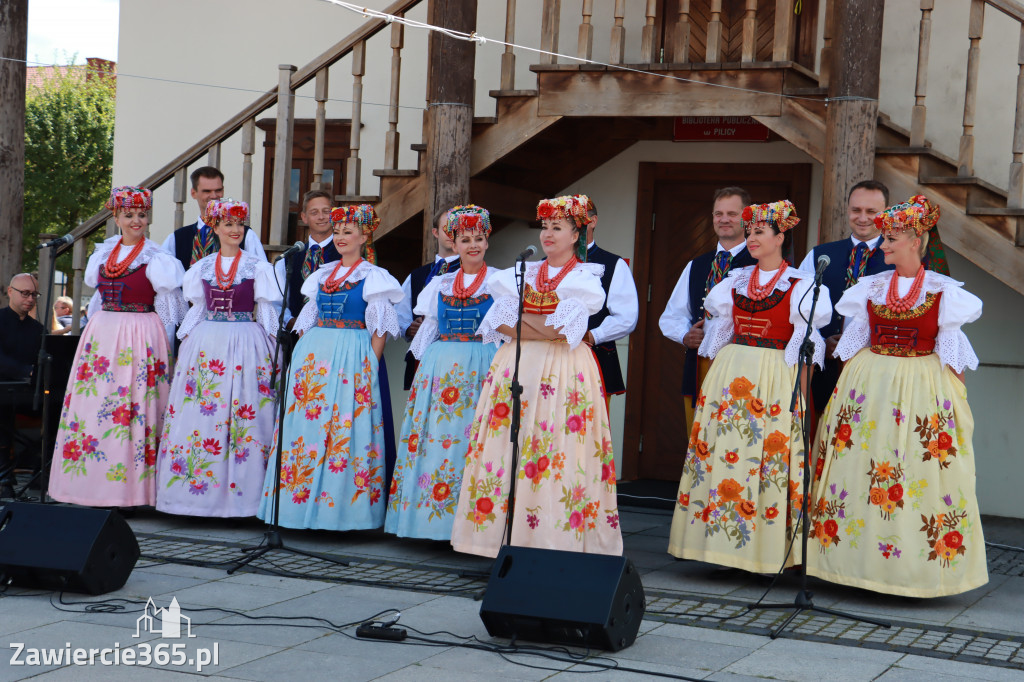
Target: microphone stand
[
  {"x": 517, "y": 393},
  {"x": 803, "y": 600},
  {"x": 272, "y": 535}
]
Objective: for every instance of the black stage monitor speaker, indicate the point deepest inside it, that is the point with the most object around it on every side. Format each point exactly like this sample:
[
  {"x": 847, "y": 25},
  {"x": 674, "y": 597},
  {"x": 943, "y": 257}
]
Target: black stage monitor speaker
[
  {"x": 75, "y": 549},
  {"x": 545, "y": 595}
]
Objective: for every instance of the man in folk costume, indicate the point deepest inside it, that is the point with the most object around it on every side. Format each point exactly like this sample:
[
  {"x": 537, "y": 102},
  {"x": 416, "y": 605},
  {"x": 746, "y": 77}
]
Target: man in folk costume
[
  {"x": 316, "y": 214},
  {"x": 617, "y": 318},
  {"x": 683, "y": 319},
  {"x": 196, "y": 241},
  {"x": 849, "y": 259},
  {"x": 445, "y": 261}
]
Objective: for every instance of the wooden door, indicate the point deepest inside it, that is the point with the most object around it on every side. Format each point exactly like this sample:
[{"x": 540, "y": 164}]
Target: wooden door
[{"x": 674, "y": 207}]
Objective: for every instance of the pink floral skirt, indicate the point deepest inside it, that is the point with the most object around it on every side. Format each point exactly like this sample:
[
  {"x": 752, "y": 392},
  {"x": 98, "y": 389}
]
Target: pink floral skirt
[
  {"x": 113, "y": 411},
  {"x": 565, "y": 480}
]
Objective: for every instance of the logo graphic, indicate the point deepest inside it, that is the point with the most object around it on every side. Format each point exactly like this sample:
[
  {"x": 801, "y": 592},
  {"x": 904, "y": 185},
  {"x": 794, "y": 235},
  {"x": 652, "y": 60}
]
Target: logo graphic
[{"x": 170, "y": 619}]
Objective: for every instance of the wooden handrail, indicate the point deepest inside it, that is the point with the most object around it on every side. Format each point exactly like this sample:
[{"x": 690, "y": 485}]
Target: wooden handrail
[
  {"x": 301, "y": 76},
  {"x": 1010, "y": 8}
]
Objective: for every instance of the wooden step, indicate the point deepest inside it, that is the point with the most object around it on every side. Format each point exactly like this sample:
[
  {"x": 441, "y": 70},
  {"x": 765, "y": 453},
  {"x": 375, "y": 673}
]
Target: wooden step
[
  {"x": 512, "y": 93},
  {"x": 996, "y": 211},
  {"x": 418, "y": 147},
  {"x": 484, "y": 120},
  {"x": 969, "y": 180},
  {"x": 357, "y": 198},
  {"x": 395, "y": 173},
  {"x": 902, "y": 150}
]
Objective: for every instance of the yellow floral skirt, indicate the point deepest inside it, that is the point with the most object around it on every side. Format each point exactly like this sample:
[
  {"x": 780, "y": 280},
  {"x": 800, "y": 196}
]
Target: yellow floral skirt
[
  {"x": 740, "y": 492},
  {"x": 895, "y": 508}
]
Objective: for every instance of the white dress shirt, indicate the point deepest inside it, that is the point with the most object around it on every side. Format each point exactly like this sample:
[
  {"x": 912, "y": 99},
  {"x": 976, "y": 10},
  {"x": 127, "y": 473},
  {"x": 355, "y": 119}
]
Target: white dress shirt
[
  {"x": 809, "y": 262},
  {"x": 251, "y": 243},
  {"x": 623, "y": 305},
  {"x": 678, "y": 317},
  {"x": 404, "y": 308},
  {"x": 279, "y": 270}
]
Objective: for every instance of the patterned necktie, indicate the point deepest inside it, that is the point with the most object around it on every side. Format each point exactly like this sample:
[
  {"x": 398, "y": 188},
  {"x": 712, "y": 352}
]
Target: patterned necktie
[
  {"x": 440, "y": 268},
  {"x": 719, "y": 268},
  {"x": 859, "y": 258},
  {"x": 202, "y": 245},
  {"x": 313, "y": 260}
]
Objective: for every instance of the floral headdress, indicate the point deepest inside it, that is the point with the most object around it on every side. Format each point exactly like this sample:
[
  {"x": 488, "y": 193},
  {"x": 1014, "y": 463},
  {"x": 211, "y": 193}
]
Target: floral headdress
[
  {"x": 573, "y": 207},
  {"x": 365, "y": 217},
  {"x": 917, "y": 214},
  {"x": 225, "y": 209},
  {"x": 129, "y": 197},
  {"x": 920, "y": 215},
  {"x": 469, "y": 219},
  {"x": 778, "y": 214}
]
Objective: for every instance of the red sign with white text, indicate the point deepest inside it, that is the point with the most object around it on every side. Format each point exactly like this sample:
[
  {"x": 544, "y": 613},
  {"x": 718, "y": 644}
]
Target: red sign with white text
[{"x": 702, "y": 128}]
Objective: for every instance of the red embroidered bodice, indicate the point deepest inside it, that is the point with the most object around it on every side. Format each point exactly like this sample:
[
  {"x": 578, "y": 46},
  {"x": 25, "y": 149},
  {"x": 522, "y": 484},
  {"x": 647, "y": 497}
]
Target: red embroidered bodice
[
  {"x": 130, "y": 293},
  {"x": 539, "y": 304},
  {"x": 908, "y": 335},
  {"x": 765, "y": 323}
]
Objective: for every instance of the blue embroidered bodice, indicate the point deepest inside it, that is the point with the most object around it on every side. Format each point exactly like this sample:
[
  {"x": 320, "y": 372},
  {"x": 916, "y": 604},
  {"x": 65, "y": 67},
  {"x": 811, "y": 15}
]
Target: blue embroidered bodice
[
  {"x": 458, "y": 319},
  {"x": 345, "y": 308}
]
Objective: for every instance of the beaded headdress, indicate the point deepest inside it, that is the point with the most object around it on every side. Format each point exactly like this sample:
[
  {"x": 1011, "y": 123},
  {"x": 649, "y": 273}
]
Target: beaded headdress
[
  {"x": 225, "y": 209},
  {"x": 917, "y": 214},
  {"x": 572, "y": 207},
  {"x": 365, "y": 217},
  {"x": 129, "y": 197},
  {"x": 469, "y": 219},
  {"x": 778, "y": 214}
]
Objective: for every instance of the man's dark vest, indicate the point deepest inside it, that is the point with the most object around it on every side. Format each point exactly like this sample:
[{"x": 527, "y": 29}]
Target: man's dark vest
[
  {"x": 699, "y": 271},
  {"x": 185, "y": 237},
  {"x": 823, "y": 381},
  {"x": 418, "y": 280},
  {"x": 295, "y": 298},
  {"x": 605, "y": 353}
]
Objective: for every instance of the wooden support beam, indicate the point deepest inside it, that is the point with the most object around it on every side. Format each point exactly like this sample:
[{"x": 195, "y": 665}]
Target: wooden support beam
[
  {"x": 518, "y": 122},
  {"x": 283, "y": 136},
  {"x": 852, "y": 117},
  {"x": 321, "y": 89},
  {"x": 449, "y": 126},
  {"x": 248, "y": 149},
  {"x": 179, "y": 195},
  {"x": 13, "y": 48}
]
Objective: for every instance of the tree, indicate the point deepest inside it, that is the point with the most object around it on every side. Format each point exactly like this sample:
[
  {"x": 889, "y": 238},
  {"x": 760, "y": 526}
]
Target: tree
[{"x": 69, "y": 154}]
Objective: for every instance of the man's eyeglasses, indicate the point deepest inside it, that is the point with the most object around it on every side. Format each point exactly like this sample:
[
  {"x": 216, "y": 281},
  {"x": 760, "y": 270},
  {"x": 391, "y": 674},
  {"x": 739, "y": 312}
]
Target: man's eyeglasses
[{"x": 27, "y": 294}]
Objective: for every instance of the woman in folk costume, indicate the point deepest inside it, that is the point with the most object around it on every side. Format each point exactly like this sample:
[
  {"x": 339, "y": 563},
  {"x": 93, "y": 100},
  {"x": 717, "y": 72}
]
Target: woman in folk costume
[
  {"x": 446, "y": 389},
  {"x": 106, "y": 448},
  {"x": 565, "y": 476},
  {"x": 740, "y": 491},
  {"x": 332, "y": 475},
  {"x": 895, "y": 508},
  {"x": 219, "y": 425}
]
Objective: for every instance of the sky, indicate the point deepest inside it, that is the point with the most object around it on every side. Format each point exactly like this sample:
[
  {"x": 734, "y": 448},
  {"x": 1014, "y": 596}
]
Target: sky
[{"x": 86, "y": 28}]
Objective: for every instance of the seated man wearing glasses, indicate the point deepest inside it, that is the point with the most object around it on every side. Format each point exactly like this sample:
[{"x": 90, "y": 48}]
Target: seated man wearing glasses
[{"x": 20, "y": 337}]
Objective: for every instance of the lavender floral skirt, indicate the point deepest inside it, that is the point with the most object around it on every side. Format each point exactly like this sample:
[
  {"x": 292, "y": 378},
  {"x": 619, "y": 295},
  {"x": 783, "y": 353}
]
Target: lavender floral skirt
[
  {"x": 219, "y": 424},
  {"x": 106, "y": 447}
]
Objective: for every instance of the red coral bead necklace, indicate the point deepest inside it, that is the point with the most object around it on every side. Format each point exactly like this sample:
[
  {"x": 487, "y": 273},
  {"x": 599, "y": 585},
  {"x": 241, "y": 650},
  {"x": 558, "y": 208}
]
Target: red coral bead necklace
[
  {"x": 898, "y": 304},
  {"x": 224, "y": 281},
  {"x": 459, "y": 288},
  {"x": 546, "y": 284},
  {"x": 113, "y": 268},
  {"x": 333, "y": 283},
  {"x": 757, "y": 292}
]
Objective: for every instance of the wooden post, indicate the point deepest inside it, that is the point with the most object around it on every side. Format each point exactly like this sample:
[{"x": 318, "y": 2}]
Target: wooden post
[
  {"x": 1015, "y": 196},
  {"x": 585, "y": 43},
  {"x": 353, "y": 165},
  {"x": 648, "y": 50},
  {"x": 78, "y": 263},
  {"x": 714, "y": 42},
  {"x": 852, "y": 115},
  {"x": 749, "y": 32},
  {"x": 449, "y": 128},
  {"x": 283, "y": 137},
  {"x": 825, "y": 58},
  {"x": 681, "y": 44},
  {"x": 391, "y": 139},
  {"x": 550, "y": 14},
  {"x": 319, "y": 128},
  {"x": 782, "y": 45},
  {"x": 248, "y": 149},
  {"x": 508, "y": 57},
  {"x": 919, "y": 112},
  {"x": 618, "y": 48},
  {"x": 213, "y": 156},
  {"x": 43, "y": 278},
  {"x": 965, "y": 159},
  {"x": 13, "y": 48},
  {"x": 180, "y": 197}
]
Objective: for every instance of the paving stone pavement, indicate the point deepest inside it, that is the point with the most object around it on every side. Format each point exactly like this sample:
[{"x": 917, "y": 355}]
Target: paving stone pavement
[{"x": 269, "y": 620}]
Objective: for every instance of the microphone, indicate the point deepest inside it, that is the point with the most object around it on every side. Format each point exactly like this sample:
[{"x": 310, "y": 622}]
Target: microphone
[
  {"x": 66, "y": 239},
  {"x": 528, "y": 252},
  {"x": 297, "y": 247},
  {"x": 819, "y": 272}
]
